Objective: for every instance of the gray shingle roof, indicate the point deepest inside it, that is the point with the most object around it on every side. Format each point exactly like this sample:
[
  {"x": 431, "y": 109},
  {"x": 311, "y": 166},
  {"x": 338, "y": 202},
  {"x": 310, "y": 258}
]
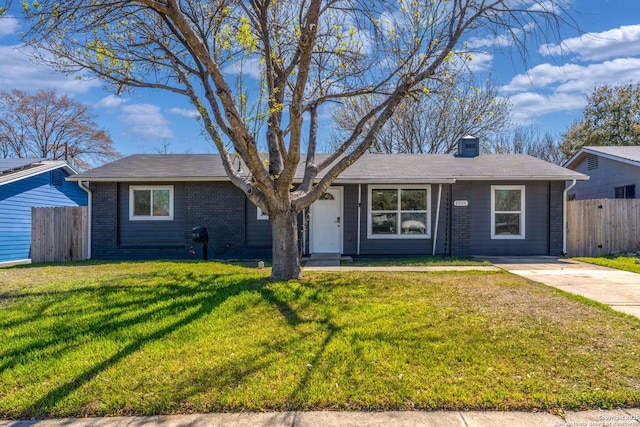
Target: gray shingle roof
[
  {"x": 9, "y": 165},
  {"x": 369, "y": 168},
  {"x": 627, "y": 154}
]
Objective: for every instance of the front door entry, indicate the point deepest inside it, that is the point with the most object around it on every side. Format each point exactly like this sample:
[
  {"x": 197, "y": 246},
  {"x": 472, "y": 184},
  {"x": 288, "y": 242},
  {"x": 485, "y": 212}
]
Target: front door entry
[{"x": 326, "y": 222}]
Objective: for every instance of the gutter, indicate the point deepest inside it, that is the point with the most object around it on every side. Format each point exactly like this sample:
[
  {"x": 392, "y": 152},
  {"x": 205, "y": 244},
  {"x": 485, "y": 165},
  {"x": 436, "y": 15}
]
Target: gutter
[
  {"x": 564, "y": 216},
  {"x": 89, "y": 216}
]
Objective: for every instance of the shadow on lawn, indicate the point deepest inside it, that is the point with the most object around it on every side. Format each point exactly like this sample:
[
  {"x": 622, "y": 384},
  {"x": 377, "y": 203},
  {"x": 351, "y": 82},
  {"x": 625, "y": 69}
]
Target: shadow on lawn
[
  {"x": 187, "y": 298},
  {"x": 139, "y": 310}
]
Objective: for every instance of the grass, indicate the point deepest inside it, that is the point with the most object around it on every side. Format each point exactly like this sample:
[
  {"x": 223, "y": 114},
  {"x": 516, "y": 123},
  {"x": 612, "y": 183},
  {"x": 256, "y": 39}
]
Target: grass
[
  {"x": 166, "y": 337},
  {"x": 620, "y": 262},
  {"x": 416, "y": 261}
]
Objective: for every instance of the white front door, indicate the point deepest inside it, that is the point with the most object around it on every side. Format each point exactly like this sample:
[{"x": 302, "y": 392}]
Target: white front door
[{"x": 326, "y": 222}]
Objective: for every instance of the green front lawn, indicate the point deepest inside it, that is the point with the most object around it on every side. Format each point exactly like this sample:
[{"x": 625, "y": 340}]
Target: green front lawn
[
  {"x": 168, "y": 337},
  {"x": 620, "y": 262}
]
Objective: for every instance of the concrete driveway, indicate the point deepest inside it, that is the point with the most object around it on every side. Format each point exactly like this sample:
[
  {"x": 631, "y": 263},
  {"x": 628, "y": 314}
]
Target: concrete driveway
[{"x": 618, "y": 289}]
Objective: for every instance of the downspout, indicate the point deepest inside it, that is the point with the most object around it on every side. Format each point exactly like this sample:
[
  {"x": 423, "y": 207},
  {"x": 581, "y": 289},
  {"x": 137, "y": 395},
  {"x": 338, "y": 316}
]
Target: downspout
[
  {"x": 564, "y": 217},
  {"x": 435, "y": 232},
  {"x": 359, "y": 219},
  {"x": 89, "y": 209}
]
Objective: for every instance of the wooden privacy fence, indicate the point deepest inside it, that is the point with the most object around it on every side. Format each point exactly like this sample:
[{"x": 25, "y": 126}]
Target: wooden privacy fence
[
  {"x": 603, "y": 226},
  {"x": 59, "y": 234}
]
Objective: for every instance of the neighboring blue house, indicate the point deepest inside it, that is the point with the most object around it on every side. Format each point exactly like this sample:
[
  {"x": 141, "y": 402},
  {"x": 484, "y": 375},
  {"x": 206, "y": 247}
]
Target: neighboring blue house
[
  {"x": 614, "y": 172},
  {"x": 28, "y": 183},
  {"x": 145, "y": 206}
]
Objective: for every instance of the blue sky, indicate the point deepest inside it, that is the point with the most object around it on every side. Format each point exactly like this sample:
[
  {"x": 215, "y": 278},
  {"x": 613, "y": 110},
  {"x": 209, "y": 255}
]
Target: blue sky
[{"x": 548, "y": 91}]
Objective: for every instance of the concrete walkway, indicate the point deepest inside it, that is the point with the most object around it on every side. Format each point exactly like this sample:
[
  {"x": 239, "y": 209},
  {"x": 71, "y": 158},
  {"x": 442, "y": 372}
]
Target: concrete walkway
[
  {"x": 626, "y": 417},
  {"x": 618, "y": 289}
]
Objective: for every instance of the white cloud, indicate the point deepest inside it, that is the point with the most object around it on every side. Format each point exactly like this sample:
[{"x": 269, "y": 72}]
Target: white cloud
[
  {"x": 146, "y": 120},
  {"x": 493, "y": 40},
  {"x": 551, "y": 89},
  {"x": 480, "y": 62},
  {"x": 191, "y": 114},
  {"x": 111, "y": 102},
  {"x": 528, "y": 106},
  {"x": 618, "y": 42},
  {"x": 541, "y": 76},
  {"x": 573, "y": 77},
  {"x": 507, "y": 39},
  {"x": 18, "y": 72},
  {"x": 8, "y": 25},
  {"x": 548, "y": 6}
]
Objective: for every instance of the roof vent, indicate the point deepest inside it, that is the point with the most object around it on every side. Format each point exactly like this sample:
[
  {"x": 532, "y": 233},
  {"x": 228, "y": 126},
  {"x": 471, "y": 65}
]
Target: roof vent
[{"x": 468, "y": 146}]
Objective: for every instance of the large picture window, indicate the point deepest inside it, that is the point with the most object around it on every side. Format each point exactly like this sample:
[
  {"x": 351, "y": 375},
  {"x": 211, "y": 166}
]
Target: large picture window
[
  {"x": 399, "y": 212},
  {"x": 507, "y": 212},
  {"x": 151, "y": 202}
]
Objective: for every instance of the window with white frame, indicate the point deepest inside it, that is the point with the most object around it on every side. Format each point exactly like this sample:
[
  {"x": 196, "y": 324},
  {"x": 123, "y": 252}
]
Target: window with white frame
[
  {"x": 151, "y": 202},
  {"x": 507, "y": 212},
  {"x": 399, "y": 212}
]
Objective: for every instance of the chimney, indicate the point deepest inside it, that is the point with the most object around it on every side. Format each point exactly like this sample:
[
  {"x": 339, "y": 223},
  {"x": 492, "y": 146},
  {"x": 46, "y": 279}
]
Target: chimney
[{"x": 468, "y": 146}]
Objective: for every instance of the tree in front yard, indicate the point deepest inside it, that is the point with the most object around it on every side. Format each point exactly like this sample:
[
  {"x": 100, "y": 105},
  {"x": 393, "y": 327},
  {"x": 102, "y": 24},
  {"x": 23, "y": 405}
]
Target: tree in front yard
[{"x": 279, "y": 62}]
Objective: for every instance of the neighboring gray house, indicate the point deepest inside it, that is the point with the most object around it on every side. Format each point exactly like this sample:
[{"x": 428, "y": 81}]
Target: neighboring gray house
[
  {"x": 144, "y": 207},
  {"x": 614, "y": 172}
]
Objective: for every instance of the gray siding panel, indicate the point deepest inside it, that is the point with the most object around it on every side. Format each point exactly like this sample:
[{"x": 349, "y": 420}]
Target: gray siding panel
[
  {"x": 235, "y": 231},
  {"x": 350, "y": 221},
  {"x": 258, "y": 230},
  {"x": 536, "y": 240},
  {"x": 152, "y": 233},
  {"x": 556, "y": 220},
  {"x": 602, "y": 180},
  {"x": 221, "y": 207}
]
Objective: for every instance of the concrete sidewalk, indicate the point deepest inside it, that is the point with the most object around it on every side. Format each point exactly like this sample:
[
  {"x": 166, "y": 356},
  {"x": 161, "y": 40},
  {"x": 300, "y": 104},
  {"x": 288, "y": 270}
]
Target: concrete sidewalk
[
  {"x": 616, "y": 288},
  {"x": 622, "y": 417},
  {"x": 415, "y": 268}
]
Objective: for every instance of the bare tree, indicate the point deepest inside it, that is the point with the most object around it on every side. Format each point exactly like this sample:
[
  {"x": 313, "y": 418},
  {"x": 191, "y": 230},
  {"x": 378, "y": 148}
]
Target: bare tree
[
  {"x": 308, "y": 52},
  {"x": 434, "y": 123},
  {"x": 51, "y": 126},
  {"x": 526, "y": 140}
]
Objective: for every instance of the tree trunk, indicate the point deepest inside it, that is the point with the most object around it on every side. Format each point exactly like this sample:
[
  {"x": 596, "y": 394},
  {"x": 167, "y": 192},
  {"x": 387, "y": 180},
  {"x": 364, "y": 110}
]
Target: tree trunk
[{"x": 286, "y": 259}]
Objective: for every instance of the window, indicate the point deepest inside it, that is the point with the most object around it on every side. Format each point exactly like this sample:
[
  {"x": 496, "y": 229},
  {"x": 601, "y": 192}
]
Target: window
[
  {"x": 151, "y": 202},
  {"x": 625, "y": 192},
  {"x": 507, "y": 212},
  {"x": 399, "y": 212},
  {"x": 261, "y": 215}
]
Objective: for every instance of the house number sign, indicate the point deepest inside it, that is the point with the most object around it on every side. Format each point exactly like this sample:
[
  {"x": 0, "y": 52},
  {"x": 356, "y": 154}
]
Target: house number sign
[{"x": 460, "y": 203}]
